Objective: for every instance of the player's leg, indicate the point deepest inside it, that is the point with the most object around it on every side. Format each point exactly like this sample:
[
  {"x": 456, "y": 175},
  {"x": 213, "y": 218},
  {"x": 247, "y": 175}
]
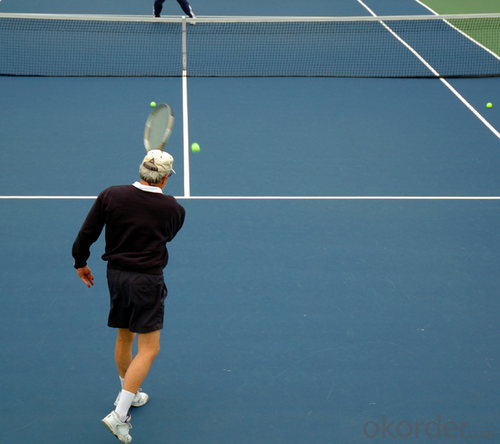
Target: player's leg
[
  {"x": 157, "y": 7},
  {"x": 123, "y": 350},
  {"x": 123, "y": 359},
  {"x": 186, "y": 8},
  {"x": 118, "y": 421},
  {"x": 148, "y": 346}
]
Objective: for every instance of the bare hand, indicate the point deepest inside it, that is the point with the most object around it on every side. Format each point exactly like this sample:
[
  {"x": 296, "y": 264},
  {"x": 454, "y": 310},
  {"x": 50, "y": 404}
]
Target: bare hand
[{"x": 86, "y": 276}]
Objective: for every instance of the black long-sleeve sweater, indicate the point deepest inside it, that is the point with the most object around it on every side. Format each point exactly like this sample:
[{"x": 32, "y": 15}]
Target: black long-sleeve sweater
[{"x": 138, "y": 226}]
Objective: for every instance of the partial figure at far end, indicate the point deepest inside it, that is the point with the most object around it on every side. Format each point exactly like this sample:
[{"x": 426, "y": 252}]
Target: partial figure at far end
[{"x": 186, "y": 7}]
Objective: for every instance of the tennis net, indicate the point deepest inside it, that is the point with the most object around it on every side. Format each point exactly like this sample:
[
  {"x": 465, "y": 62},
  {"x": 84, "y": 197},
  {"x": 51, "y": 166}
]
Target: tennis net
[{"x": 125, "y": 46}]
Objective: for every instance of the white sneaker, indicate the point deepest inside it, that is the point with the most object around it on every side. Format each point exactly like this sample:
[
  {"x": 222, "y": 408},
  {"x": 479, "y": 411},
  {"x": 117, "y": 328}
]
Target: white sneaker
[
  {"x": 193, "y": 16},
  {"x": 139, "y": 400},
  {"x": 116, "y": 427}
]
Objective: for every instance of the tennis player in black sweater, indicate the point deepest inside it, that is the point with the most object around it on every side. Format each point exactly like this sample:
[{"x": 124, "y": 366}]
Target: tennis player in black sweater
[{"x": 139, "y": 220}]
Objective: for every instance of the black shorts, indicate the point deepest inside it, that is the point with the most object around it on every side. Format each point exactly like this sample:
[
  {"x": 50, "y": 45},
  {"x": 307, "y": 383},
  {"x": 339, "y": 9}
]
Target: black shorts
[{"x": 137, "y": 301}]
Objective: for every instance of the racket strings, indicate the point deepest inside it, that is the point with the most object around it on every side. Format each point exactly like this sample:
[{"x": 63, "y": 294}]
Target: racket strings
[{"x": 158, "y": 127}]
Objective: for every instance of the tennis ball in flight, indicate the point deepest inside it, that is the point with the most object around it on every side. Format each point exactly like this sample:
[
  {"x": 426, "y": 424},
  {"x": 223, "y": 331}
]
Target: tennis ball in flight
[
  {"x": 152, "y": 104},
  {"x": 489, "y": 105},
  {"x": 195, "y": 148}
]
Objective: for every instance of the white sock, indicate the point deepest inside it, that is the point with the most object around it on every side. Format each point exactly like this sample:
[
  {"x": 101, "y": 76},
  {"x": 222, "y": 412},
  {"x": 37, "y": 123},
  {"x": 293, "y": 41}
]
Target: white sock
[
  {"x": 124, "y": 404},
  {"x": 121, "y": 381}
]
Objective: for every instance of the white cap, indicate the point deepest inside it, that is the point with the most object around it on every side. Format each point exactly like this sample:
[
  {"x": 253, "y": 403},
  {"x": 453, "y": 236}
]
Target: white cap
[{"x": 157, "y": 160}]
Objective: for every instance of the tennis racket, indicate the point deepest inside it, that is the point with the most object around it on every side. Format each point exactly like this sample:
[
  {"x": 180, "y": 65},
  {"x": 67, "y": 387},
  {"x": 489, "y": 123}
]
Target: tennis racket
[{"x": 158, "y": 127}]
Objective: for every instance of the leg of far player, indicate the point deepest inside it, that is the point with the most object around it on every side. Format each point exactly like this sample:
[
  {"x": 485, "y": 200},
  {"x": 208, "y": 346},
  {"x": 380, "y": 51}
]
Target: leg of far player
[
  {"x": 186, "y": 7},
  {"x": 157, "y": 7}
]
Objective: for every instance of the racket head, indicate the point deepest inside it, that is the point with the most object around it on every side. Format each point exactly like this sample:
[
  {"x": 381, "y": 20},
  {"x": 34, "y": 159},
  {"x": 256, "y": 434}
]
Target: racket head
[{"x": 158, "y": 127}]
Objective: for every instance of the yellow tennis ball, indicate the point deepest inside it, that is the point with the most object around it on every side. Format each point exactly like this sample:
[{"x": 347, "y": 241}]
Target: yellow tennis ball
[
  {"x": 195, "y": 148},
  {"x": 489, "y": 105},
  {"x": 152, "y": 104}
]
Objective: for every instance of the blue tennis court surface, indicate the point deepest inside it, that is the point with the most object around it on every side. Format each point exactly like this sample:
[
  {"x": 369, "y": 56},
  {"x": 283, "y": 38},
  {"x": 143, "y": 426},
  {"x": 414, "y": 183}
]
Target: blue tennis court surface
[{"x": 337, "y": 271}]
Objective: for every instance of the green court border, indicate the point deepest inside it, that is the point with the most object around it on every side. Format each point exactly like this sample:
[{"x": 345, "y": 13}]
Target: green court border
[
  {"x": 463, "y": 6},
  {"x": 489, "y": 37}
]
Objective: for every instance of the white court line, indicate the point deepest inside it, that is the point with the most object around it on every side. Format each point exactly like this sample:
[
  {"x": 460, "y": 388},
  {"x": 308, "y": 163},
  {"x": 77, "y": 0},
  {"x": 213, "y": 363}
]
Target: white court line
[
  {"x": 453, "y": 90},
  {"x": 185, "y": 138},
  {"x": 343, "y": 197},
  {"x": 185, "y": 120},
  {"x": 273, "y": 197},
  {"x": 427, "y": 7}
]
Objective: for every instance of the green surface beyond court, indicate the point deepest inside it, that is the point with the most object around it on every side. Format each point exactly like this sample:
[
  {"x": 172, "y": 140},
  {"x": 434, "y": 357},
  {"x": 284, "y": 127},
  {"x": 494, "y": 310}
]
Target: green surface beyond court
[
  {"x": 463, "y": 6},
  {"x": 485, "y": 32}
]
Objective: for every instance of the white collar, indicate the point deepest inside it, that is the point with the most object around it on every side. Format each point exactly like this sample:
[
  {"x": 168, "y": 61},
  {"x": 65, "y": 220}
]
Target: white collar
[{"x": 147, "y": 188}]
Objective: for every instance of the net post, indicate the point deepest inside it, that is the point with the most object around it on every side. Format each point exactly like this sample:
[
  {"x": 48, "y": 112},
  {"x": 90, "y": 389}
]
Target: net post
[
  {"x": 184, "y": 44},
  {"x": 185, "y": 126}
]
